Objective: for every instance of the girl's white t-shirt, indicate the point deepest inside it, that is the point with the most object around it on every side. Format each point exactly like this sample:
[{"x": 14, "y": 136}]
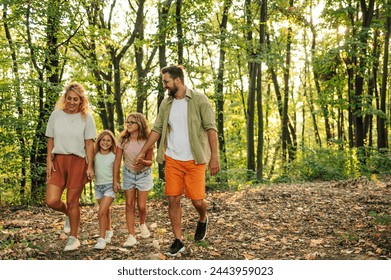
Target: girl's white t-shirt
[
  {"x": 104, "y": 165},
  {"x": 69, "y": 132},
  {"x": 178, "y": 144}
]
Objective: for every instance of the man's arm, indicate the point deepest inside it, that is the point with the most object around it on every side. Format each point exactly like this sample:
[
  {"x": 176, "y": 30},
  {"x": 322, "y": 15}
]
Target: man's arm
[
  {"x": 152, "y": 139},
  {"x": 214, "y": 165}
]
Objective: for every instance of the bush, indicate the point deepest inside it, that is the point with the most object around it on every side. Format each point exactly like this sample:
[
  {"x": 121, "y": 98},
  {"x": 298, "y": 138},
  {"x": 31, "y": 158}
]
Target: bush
[
  {"x": 319, "y": 164},
  {"x": 379, "y": 161}
]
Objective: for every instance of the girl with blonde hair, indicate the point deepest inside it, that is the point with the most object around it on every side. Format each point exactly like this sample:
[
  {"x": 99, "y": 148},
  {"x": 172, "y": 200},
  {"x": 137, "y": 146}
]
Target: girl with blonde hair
[
  {"x": 105, "y": 149},
  {"x": 136, "y": 177}
]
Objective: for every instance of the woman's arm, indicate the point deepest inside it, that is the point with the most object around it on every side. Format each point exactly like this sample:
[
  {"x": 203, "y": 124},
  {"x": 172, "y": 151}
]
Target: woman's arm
[
  {"x": 49, "y": 158},
  {"x": 90, "y": 158}
]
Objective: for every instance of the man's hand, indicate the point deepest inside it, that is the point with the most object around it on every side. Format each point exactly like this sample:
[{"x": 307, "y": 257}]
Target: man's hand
[{"x": 214, "y": 166}]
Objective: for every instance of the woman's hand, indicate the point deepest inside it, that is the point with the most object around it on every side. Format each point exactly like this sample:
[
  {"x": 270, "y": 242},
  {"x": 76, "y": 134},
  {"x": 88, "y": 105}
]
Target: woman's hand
[{"x": 49, "y": 169}]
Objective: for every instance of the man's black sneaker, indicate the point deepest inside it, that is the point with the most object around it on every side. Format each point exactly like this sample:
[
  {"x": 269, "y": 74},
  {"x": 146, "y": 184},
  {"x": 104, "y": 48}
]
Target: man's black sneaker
[
  {"x": 201, "y": 230},
  {"x": 175, "y": 248}
]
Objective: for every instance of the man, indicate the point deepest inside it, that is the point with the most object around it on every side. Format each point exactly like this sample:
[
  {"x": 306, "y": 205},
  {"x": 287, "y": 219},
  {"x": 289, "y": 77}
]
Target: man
[{"x": 187, "y": 131}]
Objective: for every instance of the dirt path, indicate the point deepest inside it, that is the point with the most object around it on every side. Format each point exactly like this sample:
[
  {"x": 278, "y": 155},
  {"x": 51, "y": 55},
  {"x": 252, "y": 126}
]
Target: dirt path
[{"x": 328, "y": 220}]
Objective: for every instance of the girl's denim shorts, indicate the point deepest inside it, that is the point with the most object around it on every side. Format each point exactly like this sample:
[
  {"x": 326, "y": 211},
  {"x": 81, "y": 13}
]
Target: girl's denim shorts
[
  {"x": 104, "y": 190},
  {"x": 141, "y": 181}
]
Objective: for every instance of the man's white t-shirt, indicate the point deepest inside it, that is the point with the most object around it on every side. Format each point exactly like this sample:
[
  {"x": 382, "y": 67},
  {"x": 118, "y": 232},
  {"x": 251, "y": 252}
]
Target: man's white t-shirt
[
  {"x": 69, "y": 132},
  {"x": 178, "y": 144}
]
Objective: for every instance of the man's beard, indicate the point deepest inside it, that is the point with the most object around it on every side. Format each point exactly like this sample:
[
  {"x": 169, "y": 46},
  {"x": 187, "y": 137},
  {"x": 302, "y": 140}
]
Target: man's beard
[{"x": 173, "y": 91}]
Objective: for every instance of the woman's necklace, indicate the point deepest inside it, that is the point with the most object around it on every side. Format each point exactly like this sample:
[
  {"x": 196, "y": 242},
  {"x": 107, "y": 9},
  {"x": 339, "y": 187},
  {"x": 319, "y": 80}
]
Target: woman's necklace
[{"x": 71, "y": 117}]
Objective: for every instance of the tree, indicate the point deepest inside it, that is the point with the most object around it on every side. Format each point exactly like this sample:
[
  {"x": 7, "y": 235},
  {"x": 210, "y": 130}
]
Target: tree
[
  {"x": 46, "y": 63},
  {"x": 382, "y": 135},
  {"x": 271, "y": 68},
  {"x": 219, "y": 91},
  {"x": 19, "y": 106}
]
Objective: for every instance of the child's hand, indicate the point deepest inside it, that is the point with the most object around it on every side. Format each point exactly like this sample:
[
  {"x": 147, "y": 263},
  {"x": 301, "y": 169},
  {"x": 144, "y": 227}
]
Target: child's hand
[
  {"x": 139, "y": 159},
  {"x": 139, "y": 166}
]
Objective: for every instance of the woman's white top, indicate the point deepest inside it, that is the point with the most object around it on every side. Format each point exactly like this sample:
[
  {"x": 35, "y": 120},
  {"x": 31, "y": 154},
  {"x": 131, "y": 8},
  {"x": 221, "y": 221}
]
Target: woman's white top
[{"x": 69, "y": 132}]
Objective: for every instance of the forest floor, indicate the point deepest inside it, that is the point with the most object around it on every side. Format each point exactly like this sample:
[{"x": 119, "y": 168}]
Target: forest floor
[{"x": 344, "y": 220}]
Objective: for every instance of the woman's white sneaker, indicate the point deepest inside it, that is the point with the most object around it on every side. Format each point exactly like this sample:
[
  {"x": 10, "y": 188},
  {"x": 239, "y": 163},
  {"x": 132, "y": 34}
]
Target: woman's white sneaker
[
  {"x": 109, "y": 235},
  {"x": 130, "y": 241},
  {"x": 67, "y": 225},
  {"x": 72, "y": 244}
]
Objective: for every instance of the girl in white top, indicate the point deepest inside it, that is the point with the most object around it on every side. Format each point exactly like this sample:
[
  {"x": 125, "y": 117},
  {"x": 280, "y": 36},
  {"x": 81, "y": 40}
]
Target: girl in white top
[
  {"x": 105, "y": 149},
  {"x": 137, "y": 178}
]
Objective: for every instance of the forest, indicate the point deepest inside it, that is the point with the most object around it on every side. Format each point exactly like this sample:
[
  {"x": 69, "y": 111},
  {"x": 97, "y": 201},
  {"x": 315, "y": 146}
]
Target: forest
[{"x": 301, "y": 89}]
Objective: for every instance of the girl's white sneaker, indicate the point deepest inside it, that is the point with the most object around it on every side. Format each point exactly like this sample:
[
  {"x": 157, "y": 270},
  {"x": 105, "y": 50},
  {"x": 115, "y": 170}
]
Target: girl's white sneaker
[{"x": 101, "y": 244}]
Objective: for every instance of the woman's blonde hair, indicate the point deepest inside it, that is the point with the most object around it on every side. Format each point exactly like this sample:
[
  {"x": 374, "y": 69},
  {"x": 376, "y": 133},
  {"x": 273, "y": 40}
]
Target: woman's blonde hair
[
  {"x": 143, "y": 128},
  {"x": 105, "y": 132},
  {"x": 81, "y": 92}
]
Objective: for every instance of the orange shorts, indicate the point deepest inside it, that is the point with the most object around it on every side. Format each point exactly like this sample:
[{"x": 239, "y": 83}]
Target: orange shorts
[
  {"x": 185, "y": 177},
  {"x": 70, "y": 172}
]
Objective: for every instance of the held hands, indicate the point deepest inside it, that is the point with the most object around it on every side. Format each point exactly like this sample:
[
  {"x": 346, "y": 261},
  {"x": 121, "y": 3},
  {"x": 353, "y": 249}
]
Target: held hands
[
  {"x": 138, "y": 161},
  {"x": 90, "y": 174},
  {"x": 116, "y": 187}
]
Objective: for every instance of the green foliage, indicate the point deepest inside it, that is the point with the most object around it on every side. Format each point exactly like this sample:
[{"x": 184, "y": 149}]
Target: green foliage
[
  {"x": 158, "y": 188},
  {"x": 349, "y": 237},
  {"x": 381, "y": 218},
  {"x": 377, "y": 162},
  {"x": 317, "y": 164},
  {"x": 85, "y": 49},
  {"x": 233, "y": 179},
  {"x": 203, "y": 243}
]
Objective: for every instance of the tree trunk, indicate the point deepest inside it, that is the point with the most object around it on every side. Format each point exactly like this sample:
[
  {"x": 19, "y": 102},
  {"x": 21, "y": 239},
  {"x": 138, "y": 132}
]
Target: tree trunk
[
  {"x": 252, "y": 70},
  {"x": 359, "y": 78},
  {"x": 164, "y": 8},
  {"x": 382, "y": 134},
  {"x": 262, "y": 42},
  {"x": 20, "y": 116},
  {"x": 220, "y": 85},
  {"x": 51, "y": 66},
  {"x": 179, "y": 29}
]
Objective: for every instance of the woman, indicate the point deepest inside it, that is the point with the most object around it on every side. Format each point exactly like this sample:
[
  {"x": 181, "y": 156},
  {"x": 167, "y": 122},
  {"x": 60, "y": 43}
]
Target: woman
[{"x": 70, "y": 153}]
